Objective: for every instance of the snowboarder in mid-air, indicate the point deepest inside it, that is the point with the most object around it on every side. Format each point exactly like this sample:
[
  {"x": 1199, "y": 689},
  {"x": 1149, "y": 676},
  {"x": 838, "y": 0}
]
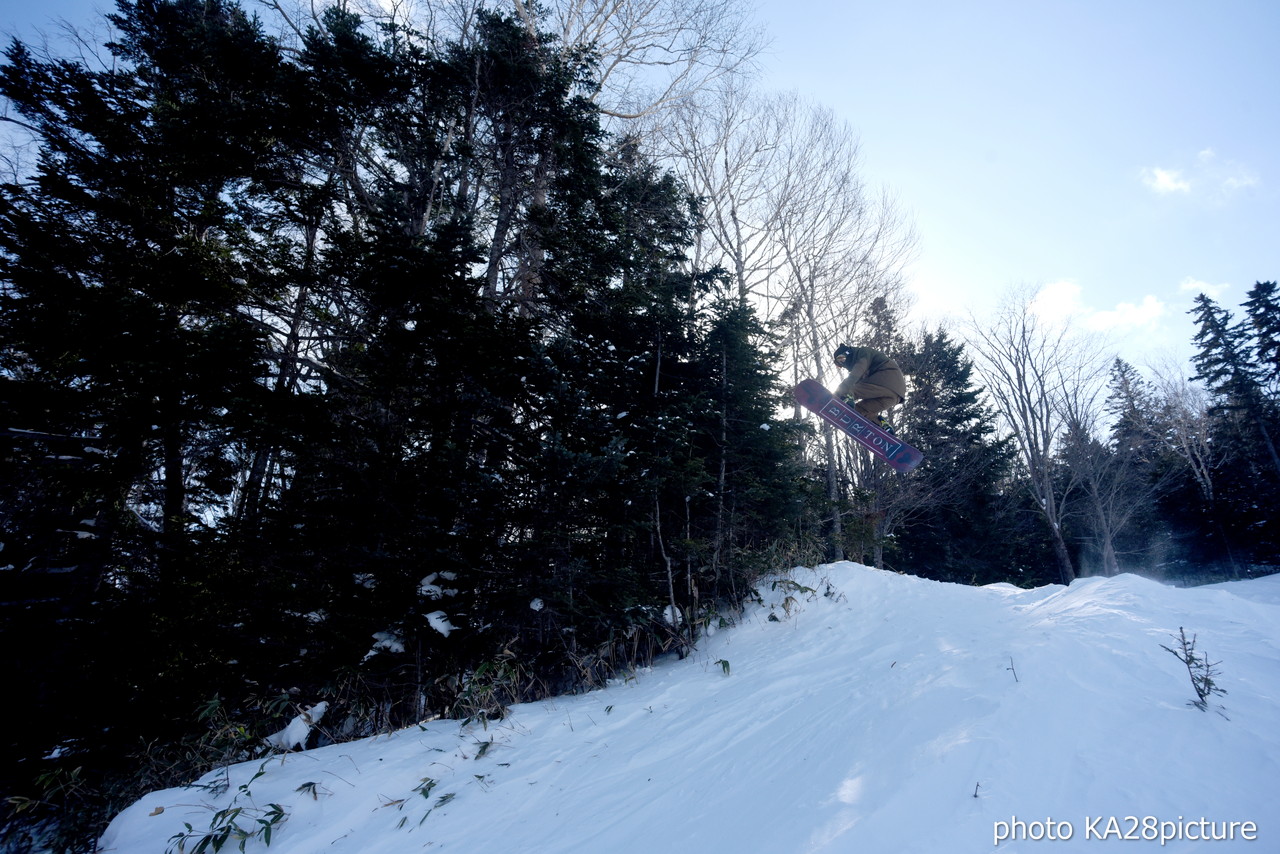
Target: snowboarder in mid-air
[{"x": 875, "y": 383}]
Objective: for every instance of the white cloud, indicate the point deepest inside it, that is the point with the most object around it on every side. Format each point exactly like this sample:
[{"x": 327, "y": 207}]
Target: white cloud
[
  {"x": 1063, "y": 302},
  {"x": 1127, "y": 315},
  {"x": 1190, "y": 284},
  {"x": 1058, "y": 301},
  {"x": 1240, "y": 180},
  {"x": 1208, "y": 171},
  {"x": 1165, "y": 181}
]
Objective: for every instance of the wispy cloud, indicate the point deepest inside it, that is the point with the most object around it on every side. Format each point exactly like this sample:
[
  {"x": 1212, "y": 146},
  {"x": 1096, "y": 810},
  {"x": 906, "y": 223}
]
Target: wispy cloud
[
  {"x": 1209, "y": 175},
  {"x": 1063, "y": 302},
  {"x": 1240, "y": 180},
  {"x": 1193, "y": 285},
  {"x": 1128, "y": 315},
  {"x": 1164, "y": 181}
]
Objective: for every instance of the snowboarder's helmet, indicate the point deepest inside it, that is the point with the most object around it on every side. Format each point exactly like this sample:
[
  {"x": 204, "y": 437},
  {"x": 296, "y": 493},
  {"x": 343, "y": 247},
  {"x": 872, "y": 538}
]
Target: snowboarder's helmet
[{"x": 843, "y": 350}]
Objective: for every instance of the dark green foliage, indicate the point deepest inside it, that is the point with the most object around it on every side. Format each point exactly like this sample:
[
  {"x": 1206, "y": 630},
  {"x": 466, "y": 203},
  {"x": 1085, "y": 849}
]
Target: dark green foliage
[
  {"x": 1222, "y": 362},
  {"x": 1263, "y": 311},
  {"x": 321, "y": 349},
  {"x": 1137, "y": 473},
  {"x": 1242, "y": 484},
  {"x": 122, "y": 261},
  {"x": 309, "y": 354},
  {"x": 962, "y": 531}
]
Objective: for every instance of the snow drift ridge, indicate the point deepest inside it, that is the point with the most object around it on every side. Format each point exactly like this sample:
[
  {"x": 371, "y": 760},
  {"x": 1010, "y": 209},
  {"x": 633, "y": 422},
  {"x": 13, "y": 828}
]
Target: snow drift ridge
[{"x": 852, "y": 710}]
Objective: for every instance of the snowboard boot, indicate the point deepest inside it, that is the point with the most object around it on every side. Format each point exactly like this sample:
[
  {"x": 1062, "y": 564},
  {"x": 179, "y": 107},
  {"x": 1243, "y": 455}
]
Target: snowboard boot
[{"x": 883, "y": 424}]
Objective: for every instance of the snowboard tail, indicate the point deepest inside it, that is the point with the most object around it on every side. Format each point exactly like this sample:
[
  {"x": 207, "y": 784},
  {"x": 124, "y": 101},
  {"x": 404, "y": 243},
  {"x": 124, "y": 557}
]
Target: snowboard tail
[{"x": 898, "y": 454}]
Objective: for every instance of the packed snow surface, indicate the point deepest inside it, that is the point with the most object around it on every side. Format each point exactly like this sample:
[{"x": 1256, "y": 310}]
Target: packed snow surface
[{"x": 851, "y": 710}]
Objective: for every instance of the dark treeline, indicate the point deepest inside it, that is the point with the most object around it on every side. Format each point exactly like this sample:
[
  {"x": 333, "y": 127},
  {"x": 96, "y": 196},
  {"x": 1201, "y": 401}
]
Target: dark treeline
[
  {"x": 1098, "y": 469},
  {"x": 370, "y": 369},
  {"x": 312, "y": 355}
]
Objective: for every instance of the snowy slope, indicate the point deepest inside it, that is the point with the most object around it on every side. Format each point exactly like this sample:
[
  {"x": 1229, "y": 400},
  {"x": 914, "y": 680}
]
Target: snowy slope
[{"x": 880, "y": 713}]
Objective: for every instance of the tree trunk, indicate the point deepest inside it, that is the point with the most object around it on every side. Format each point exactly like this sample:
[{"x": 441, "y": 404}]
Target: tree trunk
[
  {"x": 721, "y": 475},
  {"x": 1111, "y": 566},
  {"x": 174, "y": 503},
  {"x": 676, "y": 629},
  {"x": 1066, "y": 572},
  {"x": 835, "y": 542},
  {"x": 1266, "y": 440}
]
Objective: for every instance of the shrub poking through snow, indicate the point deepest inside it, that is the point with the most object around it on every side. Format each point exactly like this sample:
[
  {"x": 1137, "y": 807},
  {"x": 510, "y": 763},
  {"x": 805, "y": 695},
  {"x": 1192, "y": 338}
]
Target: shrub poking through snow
[{"x": 1203, "y": 672}]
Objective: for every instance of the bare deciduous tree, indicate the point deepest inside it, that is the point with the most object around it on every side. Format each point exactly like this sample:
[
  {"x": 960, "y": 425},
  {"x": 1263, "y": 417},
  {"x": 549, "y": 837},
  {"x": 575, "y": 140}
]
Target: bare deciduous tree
[
  {"x": 1185, "y": 412},
  {"x": 726, "y": 144},
  {"x": 653, "y": 53},
  {"x": 1041, "y": 379},
  {"x": 1122, "y": 476},
  {"x": 841, "y": 249}
]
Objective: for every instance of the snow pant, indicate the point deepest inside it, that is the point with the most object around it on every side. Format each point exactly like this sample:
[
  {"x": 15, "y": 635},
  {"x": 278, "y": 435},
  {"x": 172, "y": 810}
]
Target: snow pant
[{"x": 873, "y": 399}]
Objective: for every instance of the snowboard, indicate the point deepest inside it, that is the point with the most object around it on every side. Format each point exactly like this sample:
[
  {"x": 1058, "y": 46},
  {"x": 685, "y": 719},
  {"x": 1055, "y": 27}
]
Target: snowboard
[{"x": 898, "y": 454}]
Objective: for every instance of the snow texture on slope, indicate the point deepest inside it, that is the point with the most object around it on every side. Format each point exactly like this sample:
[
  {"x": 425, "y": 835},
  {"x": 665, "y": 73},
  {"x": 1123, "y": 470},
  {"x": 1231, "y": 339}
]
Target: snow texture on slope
[{"x": 852, "y": 710}]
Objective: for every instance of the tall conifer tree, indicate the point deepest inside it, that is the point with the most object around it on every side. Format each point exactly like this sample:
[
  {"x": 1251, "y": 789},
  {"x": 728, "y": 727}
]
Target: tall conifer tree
[
  {"x": 125, "y": 259},
  {"x": 1243, "y": 424},
  {"x": 965, "y": 470}
]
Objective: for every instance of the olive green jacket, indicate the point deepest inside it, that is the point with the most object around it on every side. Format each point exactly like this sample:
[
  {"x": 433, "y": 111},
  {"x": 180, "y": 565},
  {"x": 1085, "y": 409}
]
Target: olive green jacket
[{"x": 871, "y": 367}]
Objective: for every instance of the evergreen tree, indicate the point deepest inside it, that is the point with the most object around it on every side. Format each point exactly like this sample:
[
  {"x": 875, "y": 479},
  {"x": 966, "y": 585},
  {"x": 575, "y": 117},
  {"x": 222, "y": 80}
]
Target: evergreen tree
[
  {"x": 1249, "y": 472},
  {"x": 1263, "y": 311},
  {"x": 757, "y": 498},
  {"x": 1222, "y": 362},
  {"x": 953, "y": 536},
  {"x": 1140, "y": 471},
  {"x": 423, "y": 461},
  {"x": 124, "y": 260},
  {"x": 376, "y": 374}
]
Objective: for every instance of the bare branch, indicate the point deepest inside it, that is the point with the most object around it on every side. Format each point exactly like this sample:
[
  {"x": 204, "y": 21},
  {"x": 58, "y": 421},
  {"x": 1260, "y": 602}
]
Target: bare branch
[
  {"x": 654, "y": 53},
  {"x": 1040, "y": 379}
]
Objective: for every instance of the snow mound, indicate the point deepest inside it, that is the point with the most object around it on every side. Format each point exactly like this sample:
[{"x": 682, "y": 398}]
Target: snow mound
[{"x": 851, "y": 710}]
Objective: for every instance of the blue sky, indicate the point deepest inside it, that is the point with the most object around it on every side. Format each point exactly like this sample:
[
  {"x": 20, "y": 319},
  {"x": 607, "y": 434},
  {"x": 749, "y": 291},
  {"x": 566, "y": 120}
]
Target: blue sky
[
  {"x": 1121, "y": 155},
  {"x": 22, "y": 17}
]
